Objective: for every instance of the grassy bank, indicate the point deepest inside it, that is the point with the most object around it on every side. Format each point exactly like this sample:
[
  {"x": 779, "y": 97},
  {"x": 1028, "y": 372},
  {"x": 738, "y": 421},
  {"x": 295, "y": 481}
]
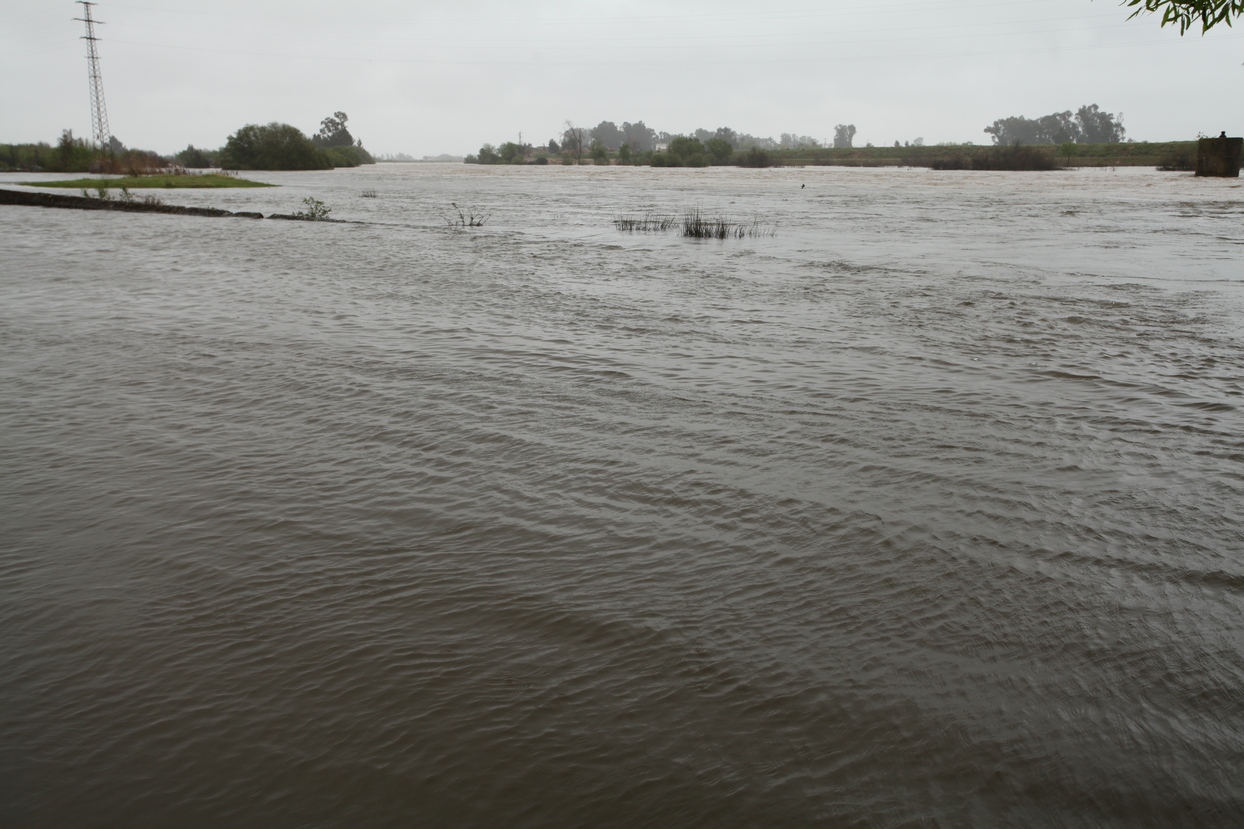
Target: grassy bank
[
  {"x": 1139, "y": 154},
  {"x": 148, "y": 182}
]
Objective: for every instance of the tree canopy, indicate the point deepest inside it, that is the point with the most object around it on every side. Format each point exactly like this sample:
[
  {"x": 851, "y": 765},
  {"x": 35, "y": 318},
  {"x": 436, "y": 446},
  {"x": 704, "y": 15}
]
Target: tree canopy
[
  {"x": 1186, "y": 13},
  {"x": 1089, "y": 125},
  {"x": 272, "y": 147},
  {"x": 333, "y": 132}
]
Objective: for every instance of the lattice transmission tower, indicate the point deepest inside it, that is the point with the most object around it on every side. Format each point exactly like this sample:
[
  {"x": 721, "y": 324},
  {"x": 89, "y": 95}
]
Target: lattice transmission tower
[{"x": 99, "y": 112}]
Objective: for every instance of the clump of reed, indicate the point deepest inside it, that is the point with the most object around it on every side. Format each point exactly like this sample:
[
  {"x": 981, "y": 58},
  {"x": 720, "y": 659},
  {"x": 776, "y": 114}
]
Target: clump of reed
[
  {"x": 469, "y": 218},
  {"x": 695, "y": 225},
  {"x": 648, "y": 223},
  {"x": 369, "y": 194}
]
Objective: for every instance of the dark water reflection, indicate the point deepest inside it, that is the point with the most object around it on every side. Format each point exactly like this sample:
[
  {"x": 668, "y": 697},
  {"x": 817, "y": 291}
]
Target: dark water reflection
[{"x": 925, "y": 511}]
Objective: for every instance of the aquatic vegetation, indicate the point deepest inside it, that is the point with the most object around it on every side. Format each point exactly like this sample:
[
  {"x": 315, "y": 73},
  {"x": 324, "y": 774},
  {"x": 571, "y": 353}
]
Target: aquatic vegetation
[
  {"x": 697, "y": 226},
  {"x": 470, "y": 218},
  {"x": 648, "y": 223},
  {"x": 693, "y": 225}
]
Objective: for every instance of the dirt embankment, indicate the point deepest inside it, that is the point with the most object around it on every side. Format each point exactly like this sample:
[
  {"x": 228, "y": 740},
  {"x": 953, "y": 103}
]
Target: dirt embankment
[{"x": 84, "y": 203}]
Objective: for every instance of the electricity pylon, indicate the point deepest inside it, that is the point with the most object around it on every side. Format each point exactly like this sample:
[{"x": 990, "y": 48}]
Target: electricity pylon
[{"x": 99, "y": 112}]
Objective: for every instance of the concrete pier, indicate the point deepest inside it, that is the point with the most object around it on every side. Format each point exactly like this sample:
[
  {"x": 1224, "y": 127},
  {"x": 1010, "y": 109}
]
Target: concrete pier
[{"x": 1219, "y": 156}]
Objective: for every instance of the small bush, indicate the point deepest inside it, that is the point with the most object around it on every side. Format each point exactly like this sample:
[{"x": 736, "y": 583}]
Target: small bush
[{"x": 315, "y": 209}]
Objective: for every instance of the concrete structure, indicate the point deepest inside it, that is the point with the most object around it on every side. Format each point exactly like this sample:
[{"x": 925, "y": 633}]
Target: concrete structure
[{"x": 1219, "y": 156}]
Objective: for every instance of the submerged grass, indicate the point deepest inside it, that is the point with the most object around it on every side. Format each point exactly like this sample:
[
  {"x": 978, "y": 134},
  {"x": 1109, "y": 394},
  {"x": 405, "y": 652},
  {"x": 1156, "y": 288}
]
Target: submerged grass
[
  {"x": 693, "y": 225},
  {"x": 649, "y": 223},
  {"x": 146, "y": 182}
]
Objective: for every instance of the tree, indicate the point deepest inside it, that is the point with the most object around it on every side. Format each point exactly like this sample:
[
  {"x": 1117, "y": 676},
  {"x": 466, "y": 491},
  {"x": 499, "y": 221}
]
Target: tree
[
  {"x": 792, "y": 141},
  {"x": 1097, "y": 127},
  {"x": 600, "y": 155},
  {"x": 68, "y": 148},
  {"x": 333, "y": 132},
  {"x": 1058, "y": 128},
  {"x": 553, "y": 147},
  {"x": 1088, "y": 126},
  {"x": 574, "y": 141},
  {"x": 511, "y": 153},
  {"x": 608, "y": 134},
  {"x": 686, "y": 152},
  {"x": 719, "y": 150},
  {"x": 624, "y": 153},
  {"x": 1186, "y": 13},
  {"x": 272, "y": 147},
  {"x": 843, "y": 134},
  {"x": 639, "y": 136},
  {"x": 194, "y": 158}
]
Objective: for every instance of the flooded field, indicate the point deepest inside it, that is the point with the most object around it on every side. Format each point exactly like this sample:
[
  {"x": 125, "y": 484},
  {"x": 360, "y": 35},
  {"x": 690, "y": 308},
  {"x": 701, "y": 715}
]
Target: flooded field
[{"x": 925, "y": 510}]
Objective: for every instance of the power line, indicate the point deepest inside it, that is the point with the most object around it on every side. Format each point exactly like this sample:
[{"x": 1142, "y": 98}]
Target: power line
[{"x": 99, "y": 112}]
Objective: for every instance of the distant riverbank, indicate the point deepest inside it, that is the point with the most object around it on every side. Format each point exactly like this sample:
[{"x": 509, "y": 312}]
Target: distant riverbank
[
  {"x": 183, "y": 182},
  {"x": 1138, "y": 154}
]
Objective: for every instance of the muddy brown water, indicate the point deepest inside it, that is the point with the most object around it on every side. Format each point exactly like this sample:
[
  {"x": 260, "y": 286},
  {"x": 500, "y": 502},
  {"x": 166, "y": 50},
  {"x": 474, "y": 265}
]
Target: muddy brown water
[{"x": 927, "y": 510}]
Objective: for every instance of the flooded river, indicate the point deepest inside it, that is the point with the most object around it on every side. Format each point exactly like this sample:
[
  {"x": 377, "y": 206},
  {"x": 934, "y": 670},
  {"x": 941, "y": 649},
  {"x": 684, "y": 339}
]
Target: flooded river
[{"x": 925, "y": 510}]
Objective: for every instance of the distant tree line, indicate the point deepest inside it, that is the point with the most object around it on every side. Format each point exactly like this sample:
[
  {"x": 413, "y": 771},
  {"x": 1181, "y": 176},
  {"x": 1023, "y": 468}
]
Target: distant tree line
[
  {"x": 1089, "y": 125},
  {"x": 253, "y": 147},
  {"x": 77, "y": 155},
  {"x": 637, "y": 143}
]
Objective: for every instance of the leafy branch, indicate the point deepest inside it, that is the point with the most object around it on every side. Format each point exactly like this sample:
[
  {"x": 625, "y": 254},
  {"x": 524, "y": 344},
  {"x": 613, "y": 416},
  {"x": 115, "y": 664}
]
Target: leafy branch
[{"x": 1186, "y": 13}]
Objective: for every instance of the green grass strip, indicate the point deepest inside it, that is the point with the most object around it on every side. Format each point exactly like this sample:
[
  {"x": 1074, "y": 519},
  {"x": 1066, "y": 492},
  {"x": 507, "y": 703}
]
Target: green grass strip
[{"x": 162, "y": 182}]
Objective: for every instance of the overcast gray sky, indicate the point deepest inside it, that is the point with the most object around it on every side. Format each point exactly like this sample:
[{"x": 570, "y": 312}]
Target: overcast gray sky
[{"x": 431, "y": 77}]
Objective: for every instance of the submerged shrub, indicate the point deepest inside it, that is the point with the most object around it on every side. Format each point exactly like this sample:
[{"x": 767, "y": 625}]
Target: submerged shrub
[
  {"x": 467, "y": 218},
  {"x": 315, "y": 209}
]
